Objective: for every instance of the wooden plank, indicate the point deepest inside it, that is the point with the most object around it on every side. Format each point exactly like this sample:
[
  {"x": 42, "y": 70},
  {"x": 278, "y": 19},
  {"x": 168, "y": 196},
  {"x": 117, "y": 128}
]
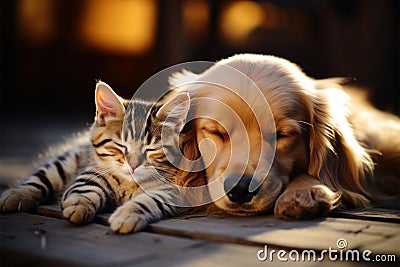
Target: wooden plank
[
  {"x": 318, "y": 238},
  {"x": 377, "y": 214},
  {"x": 316, "y": 234},
  {"x": 54, "y": 211},
  {"x": 29, "y": 240},
  {"x": 92, "y": 245},
  {"x": 232, "y": 255},
  {"x": 384, "y": 248},
  {"x": 260, "y": 230},
  {"x": 220, "y": 254}
]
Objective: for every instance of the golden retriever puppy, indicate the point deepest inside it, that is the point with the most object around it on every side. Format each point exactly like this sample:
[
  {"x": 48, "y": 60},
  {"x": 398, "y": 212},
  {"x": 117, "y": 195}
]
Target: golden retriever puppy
[{"x": 271, "y": 138}]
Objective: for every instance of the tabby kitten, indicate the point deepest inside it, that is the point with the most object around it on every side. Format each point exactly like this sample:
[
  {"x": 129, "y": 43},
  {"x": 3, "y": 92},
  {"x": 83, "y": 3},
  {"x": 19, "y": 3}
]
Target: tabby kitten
[
  {"x": 100, "y": 163},
  {"x": 160, "y": 193}
]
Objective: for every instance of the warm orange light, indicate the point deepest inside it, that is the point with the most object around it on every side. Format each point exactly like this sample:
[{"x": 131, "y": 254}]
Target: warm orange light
[
  {"x": 127, "y": 26},
  {"x": 36, "y": 19},
  {"x": 240, "y": 18},
  {"x": 273, "y": 15},
  {"x": 196, "y": 15}
]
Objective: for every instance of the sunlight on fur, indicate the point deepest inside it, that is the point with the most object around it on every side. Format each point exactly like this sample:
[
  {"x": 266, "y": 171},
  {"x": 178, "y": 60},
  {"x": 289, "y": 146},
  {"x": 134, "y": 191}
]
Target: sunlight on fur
[{"x": 328, "y": 153}]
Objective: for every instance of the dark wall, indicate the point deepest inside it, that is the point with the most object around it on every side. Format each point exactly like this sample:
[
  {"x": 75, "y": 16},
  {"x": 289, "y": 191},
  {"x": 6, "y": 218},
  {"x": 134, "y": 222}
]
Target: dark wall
[{"x": 56, "y": 74}]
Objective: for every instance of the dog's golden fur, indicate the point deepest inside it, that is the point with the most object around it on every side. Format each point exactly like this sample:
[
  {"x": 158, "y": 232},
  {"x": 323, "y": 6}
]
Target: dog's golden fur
[{"x": 329, "y": 147}]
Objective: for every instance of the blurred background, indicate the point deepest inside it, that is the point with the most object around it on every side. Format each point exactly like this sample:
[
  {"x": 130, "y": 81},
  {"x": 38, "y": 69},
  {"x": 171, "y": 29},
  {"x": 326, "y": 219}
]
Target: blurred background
[{"x": 53, "y": 51}]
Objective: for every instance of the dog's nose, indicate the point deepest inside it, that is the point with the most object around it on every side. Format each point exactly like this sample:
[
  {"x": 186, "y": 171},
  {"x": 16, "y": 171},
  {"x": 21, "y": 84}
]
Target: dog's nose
[{"x": 239, "y": 191}]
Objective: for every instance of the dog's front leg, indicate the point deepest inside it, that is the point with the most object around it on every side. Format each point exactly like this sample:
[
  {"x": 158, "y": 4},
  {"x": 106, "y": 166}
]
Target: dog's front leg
[{"x": 305, "y": 197}]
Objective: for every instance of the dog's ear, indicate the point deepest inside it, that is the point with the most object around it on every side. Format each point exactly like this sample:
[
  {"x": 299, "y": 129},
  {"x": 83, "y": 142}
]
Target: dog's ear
[
  {"x": 191, "y": 152},
  {"x": 336, "y": 156},
  {"x": 181, "y": 78}
]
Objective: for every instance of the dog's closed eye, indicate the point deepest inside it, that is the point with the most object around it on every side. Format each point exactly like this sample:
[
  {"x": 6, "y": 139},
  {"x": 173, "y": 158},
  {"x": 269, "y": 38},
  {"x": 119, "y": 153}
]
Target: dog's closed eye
[
  {"x": 281, "y": 135},
  {"x": 287, "y": 129},
  {"x": 215, "y": 132},
  {"x": 285, "y": 134}
]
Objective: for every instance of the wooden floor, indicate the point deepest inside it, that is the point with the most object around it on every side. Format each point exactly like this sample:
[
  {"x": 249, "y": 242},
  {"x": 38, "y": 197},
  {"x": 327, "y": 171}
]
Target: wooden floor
[{"x": 45, "y": 239}]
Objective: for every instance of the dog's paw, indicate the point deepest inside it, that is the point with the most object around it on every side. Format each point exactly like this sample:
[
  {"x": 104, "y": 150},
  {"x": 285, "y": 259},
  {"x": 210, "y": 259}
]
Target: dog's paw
[
  {"x": 78, "y": 210},
  {"x": 125, "y": 220},
  {"x": 305, "y": 203},
  {"x": 18, "y": 199}
]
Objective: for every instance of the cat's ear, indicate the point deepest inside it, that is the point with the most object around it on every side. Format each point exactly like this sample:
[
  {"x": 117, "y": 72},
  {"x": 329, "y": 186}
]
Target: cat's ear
[
  {"x": 108, "y": 103},
  {"x": 175, "y": 109}
]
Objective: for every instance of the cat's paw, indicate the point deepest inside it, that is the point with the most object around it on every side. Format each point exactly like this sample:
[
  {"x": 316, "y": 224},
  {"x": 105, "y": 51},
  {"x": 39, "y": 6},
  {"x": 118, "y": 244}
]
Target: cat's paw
[
  {"x": 125, "y": 220},
  {"x": 78, "y": 210},
  {"x": 18, "y": 199},
  {"x": 305, "y": 203}
]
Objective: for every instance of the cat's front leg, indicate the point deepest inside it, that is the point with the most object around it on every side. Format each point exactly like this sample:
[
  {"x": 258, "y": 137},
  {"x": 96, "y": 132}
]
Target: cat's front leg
[
  {"x": 43, "y": 185},
  {"x": 90, "y": 194},
  {"x": 22, "y": 198},
  {"x": 80, "y": 209},
  {"x": 128, "y": 218},
  {"x": 143, "y": 209}
]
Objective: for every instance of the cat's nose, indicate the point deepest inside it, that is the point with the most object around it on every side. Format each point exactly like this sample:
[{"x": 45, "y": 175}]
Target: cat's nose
[
  {"x": 133, "y": 161},
  {"x": 133, "y": 165}
]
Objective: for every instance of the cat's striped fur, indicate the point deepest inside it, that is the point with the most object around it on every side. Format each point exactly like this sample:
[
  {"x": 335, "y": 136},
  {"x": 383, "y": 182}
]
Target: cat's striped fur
[
  {"x": 160, "y": 195},
  {"x": 97, "y": 167}
]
